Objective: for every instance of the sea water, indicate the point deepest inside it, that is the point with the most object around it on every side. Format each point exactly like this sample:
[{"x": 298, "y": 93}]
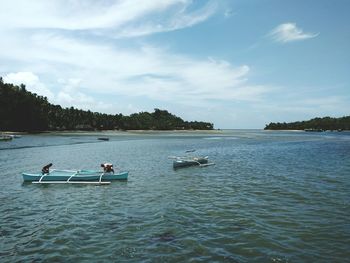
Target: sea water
[{"x": 270, "y": 197}]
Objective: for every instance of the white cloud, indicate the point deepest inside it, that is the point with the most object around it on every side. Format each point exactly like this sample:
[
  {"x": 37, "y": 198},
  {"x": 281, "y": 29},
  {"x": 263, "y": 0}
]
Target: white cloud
[
  {"x": 178, "y": 19},
  {"x": 289, "y": 32},
  {"x": 120, "y": 18},
  {"x": 139, "y": 71},
  {"x": 72, "y": 47},
  {"x": 68, "y": 95},
  {"x": 31, "y": 81},
  {"x": 89, "y": 65}
]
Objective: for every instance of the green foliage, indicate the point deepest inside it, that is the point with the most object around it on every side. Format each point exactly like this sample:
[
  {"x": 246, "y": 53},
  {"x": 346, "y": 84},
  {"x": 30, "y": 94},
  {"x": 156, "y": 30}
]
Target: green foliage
[
  {"x": 21, "y": 110},
  {"x": 316, "y": 124}
]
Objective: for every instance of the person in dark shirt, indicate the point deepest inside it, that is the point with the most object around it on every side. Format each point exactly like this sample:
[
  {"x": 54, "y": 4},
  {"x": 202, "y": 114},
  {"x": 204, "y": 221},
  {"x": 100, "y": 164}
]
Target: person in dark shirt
[{"x": 46, "y": 169}]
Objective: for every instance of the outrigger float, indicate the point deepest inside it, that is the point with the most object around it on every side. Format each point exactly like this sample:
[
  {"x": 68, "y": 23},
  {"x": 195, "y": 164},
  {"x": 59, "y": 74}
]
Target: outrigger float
[{"x": 74, "y": 177}]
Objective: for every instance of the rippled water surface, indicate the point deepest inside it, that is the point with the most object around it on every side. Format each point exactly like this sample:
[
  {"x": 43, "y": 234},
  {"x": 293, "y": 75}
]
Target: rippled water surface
[{"x": 271, "y": 197}]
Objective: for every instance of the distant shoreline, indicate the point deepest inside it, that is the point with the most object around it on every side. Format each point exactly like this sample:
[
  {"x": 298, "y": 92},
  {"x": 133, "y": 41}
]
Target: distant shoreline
[
  {"x": 308, "y": 131},
  {"x": 115, "y": 132},
  {"x": 145, "y": 132},
  {"x": 313, "y": 125}
]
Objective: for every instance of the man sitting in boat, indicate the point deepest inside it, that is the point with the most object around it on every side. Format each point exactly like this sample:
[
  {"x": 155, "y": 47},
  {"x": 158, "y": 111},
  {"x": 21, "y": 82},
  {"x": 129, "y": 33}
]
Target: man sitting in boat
[
  {"x": 107, "y": 167},
  {"x": 46, "y": 169}
]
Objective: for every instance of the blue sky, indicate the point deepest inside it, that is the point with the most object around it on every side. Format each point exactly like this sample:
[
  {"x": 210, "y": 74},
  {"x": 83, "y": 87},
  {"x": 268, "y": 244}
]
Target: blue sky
[{"x": 237, "y": 64}]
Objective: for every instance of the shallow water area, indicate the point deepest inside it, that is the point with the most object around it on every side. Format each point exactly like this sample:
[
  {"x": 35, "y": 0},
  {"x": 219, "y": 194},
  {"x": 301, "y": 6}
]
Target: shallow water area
[{"x": 273, "y": 196}]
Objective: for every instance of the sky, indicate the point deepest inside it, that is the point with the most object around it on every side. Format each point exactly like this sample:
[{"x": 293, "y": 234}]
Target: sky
[{"x": 238, "y": 64}]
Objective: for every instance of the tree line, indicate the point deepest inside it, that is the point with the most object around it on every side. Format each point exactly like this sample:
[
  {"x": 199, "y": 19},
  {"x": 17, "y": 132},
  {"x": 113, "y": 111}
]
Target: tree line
[
  {"x": 316, "y": 124},
  {"x": 21, "y": 110}
]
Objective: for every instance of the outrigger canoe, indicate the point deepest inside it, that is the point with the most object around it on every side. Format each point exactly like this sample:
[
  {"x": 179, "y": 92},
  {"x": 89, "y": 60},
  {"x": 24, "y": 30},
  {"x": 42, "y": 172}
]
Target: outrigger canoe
[
  {"x": 80, "y": 176},
  {"x": 181, "y": 162}
]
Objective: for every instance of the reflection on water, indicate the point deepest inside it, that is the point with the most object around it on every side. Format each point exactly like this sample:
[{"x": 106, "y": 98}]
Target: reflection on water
[{"x": 272, "y": 196}]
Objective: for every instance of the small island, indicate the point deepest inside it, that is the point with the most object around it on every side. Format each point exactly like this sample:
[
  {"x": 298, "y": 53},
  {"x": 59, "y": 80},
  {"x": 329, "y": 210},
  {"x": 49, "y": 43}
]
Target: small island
[
  {"x": 314, "y": 125},
  {"x": 21, "y": 110}
]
